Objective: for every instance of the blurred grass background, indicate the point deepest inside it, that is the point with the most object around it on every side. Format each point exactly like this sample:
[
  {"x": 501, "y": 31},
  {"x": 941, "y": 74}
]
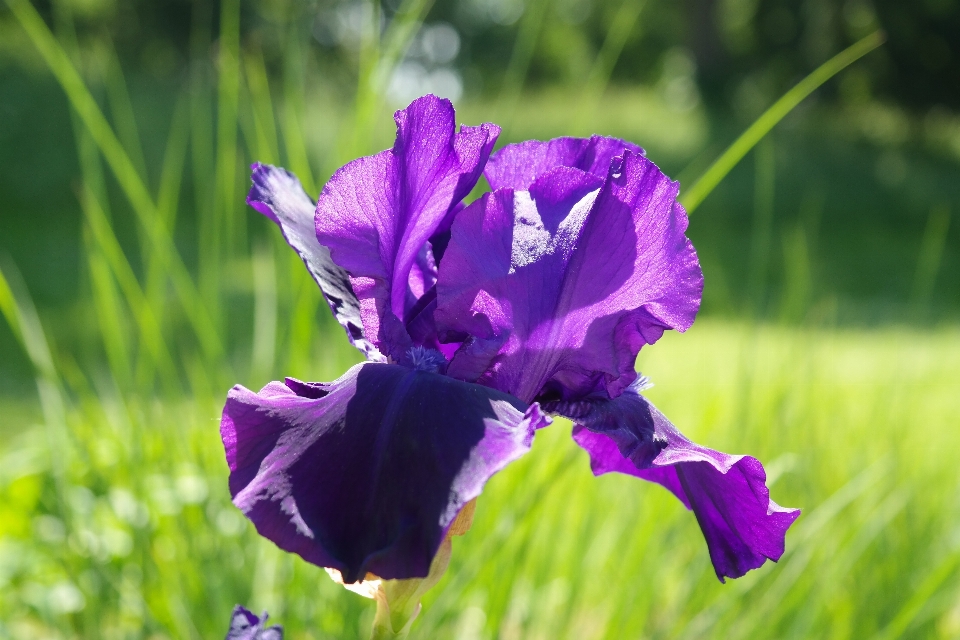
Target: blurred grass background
[{"x": 138, "y": 288}]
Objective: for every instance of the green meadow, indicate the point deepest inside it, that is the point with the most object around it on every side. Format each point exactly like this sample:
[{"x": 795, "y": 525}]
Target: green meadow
[
  {"x": 116, "y": 521},
  {"x": 828, "y": 347}
]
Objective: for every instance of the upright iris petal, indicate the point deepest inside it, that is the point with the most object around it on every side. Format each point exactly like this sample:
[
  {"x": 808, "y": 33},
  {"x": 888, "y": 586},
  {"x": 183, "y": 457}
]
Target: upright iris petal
[
  {"x": 277, "y": 194},
  {"x": 376, "y": 214},
  {"x": 743, "y": 527},
  {"x": 366, "y": 473},
  {"x": 563, "y": 284},
  {"x": 518, "y": 165}
]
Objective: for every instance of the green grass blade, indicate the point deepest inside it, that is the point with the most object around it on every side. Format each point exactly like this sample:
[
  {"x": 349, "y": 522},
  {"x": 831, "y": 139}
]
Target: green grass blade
[
  {"x": 930, "y": 259},
  {"x": 755, "y": 132},
  {"x": 104, "y": 256},
  {"x": 227, "y": 222},
  {"x": 202, "y": 142},
  {"x": 22, "y": 315},
  {"x": 519, "y": 64},
  {"x": 111, "y": 316},
  {"x": 912, "y": 608},
  {"x": 121, "y": 108},
  {"x": 846, "y": 560},
  {"x": 380, "y": 58},
  {"x": 619, "y": 30},
  {"x": 250, "y": 136},
  {"x": 143, "y": 313},
  {"x": 8, "y": 307},
  {"x": 354, "y": 140},
  {"x": 131, "y": 183},
  {"x": 798, "y": 283},
  {"x": 264, "y": 311},
  {"x": 258, "y": 86},
  {"x": 762, "y": 234},
  {"x": 295, "y": 151},
  {"x": 403, "y": 27},
  {"x": 15, "y": 300},
  {"x": 174, "y": 160},
  {"x": 171, "y": 176},
  {"x": 302, "y": 324},
  {"x": 84, "y": 104}
]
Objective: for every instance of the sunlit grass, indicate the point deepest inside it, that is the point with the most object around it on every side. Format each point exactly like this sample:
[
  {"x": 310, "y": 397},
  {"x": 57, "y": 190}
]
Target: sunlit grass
[{"x": 137, "y": 537}]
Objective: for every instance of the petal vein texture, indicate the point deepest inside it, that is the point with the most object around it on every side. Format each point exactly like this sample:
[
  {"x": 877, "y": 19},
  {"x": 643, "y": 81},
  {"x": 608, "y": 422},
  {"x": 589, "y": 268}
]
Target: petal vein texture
[
  {"x": 376, "y": 214},
  {"x": 518, "y": 165},
  {"x": 557, "y": 288}
]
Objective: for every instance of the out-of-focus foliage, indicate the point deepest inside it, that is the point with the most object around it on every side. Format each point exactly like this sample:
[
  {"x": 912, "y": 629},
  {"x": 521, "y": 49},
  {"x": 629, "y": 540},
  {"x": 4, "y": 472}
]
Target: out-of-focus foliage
[
  {"x": 120, "y": 526},
  {"x": 742, "y": 52},
  {"x": 843, "y": 206},
  {"x": 156, "y": 288}
]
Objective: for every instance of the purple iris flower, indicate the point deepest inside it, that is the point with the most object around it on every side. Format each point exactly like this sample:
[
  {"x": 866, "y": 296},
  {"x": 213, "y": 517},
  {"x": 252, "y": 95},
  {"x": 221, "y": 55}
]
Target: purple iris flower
[
  {"x": 245, "y": 625},
  {"x": 477, "y": 322}
]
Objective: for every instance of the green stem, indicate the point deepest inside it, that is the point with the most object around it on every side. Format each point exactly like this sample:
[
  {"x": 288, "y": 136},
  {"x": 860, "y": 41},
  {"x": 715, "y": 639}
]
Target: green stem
[
  {"x": 398, "y": 601},
  {"x": 383, "y": 628}
]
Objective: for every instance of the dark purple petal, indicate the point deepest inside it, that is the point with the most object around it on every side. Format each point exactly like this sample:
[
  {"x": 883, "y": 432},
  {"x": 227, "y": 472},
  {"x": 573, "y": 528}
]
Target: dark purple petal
[
  {"x": 277, "y": 194},
  {"x": 377, "y": 213},
  {"x": 743, "y": 527},
  {"x": 517, "y": 166},
  {"x": 366, "y": 473},
  {"x": 244, "y": 625},
  {"x": 562, "y": 285}
]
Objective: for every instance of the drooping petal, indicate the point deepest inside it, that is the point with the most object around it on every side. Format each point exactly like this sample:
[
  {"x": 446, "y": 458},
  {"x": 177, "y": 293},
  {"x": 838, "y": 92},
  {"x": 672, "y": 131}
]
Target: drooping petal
[
  {"x": 562, "y": 285},
  {"x": 743, "y": 527},
  {"x": 516, "y": 166},
  {"x": 278, "y": 194},
  {"x": 244, "y": 625},
  {"x": 365, "y": 474},
  {"x": 377, "y": 213}
]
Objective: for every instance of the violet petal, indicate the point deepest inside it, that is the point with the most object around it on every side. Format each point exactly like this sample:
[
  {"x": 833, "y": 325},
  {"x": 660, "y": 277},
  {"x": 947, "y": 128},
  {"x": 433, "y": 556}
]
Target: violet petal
[
  {"x": 278, "y": 194},
  {"x": 571, "y": 281},
  {"x": 742, "y": 526},
  {"x": 365, "y": 474},
  {"x": 244, "y": 625},
  {"x": 517, "y": 166},
  {"x": 377, "y": 213}
]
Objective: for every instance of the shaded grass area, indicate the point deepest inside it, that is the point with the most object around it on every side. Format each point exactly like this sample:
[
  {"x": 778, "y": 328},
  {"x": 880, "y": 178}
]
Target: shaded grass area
[{"x": 116, "y": 522}]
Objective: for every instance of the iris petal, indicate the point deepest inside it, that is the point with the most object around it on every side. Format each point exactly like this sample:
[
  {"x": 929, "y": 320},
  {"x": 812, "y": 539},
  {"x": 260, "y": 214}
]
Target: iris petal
[
  {"x": 365, "y": 474},
  {"x": 377, "y": 213},
  {"x": 743, "y": 527},
  {"x": 517, "y": 166},
  {"x": 564, "y": 284},
  {"x": 277, "y": 194},
  {"x": 244, "y": 625}
]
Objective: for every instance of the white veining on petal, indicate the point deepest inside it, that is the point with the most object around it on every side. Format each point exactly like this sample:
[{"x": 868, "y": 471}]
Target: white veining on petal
[
  {"x": 508, "y": 436},
  {"x": 532, "y": 241},
  {"x": 289, "y": 506}
]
